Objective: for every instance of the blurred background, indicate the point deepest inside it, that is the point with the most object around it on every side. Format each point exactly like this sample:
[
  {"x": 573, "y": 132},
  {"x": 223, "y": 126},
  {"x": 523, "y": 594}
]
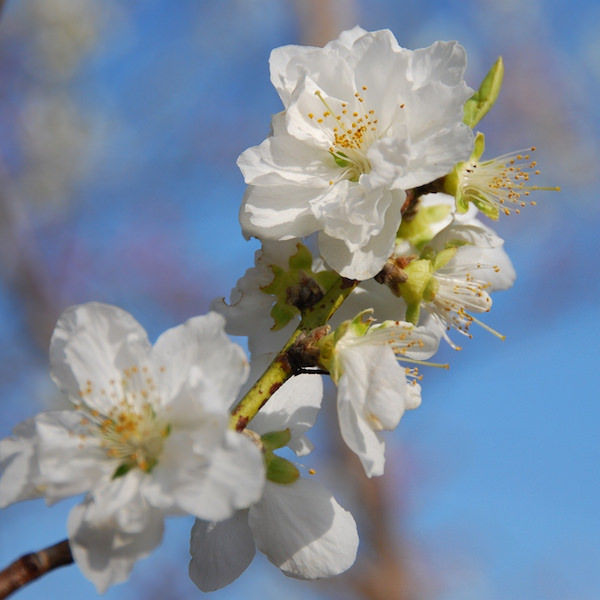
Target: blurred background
[{"x": 120, "y": 124}]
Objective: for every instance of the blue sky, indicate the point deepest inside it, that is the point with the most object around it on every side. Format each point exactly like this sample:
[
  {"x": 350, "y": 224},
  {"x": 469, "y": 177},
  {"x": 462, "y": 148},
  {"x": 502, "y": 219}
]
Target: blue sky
[{"x": 497, "y": 470}]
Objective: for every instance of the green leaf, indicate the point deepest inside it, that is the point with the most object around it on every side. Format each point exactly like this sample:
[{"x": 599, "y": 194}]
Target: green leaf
[
  {"x": 122, "y": 470},
  {"x": 483, "y": 99},
  {"x": 276, "y": 439},
  {"x": 297, "y": 288},
  {"x": 443, "y": 257},
  {"x": 280, "y": 470}
]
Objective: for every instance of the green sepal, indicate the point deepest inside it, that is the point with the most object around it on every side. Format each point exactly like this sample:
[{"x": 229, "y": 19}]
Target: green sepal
[
  {"x": 418, "y": 231},
  {"x": 477, "y": 106},
  {"x": 122, "y": 470},
  {"x": 443, "y": 257},
  {"x": 358, "y": 326},
  {"x": 431, "y": 289},
  {"x": 453, "y": 181},
  {"x": 280, "y": 470},
  {"x": 275, "y": 439},
  {"x": 286, "y": 285},
  {"x": 419, "y": 273}
]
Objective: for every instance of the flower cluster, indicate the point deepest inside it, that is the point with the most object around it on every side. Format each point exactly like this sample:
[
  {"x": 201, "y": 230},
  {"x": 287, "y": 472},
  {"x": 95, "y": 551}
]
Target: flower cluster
[{"x": 366, "y": 198}]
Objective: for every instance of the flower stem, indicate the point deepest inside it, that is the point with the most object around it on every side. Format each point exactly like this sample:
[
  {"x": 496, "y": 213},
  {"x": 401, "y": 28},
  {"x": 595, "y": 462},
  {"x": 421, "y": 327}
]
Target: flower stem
[
  {"x": 281, "y": 368},
  {"x": 31, "y": 566}
]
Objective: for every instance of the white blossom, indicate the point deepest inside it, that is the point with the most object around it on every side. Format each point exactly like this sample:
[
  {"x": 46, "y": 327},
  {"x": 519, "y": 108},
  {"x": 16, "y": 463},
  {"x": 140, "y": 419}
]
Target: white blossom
[
  {"x": 147, "y": 435},
  {"x": 463, "y": 284},
  {"x": 364, "y": 121},
  {"x": 374, "y": 390},
  {"x": 299, "y": 526}
]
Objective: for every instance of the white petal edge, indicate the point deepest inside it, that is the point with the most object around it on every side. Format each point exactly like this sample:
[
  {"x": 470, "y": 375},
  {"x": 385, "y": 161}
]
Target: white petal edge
[
  {"x": 104, "y": 553},
  {"x": 221, "y": 551},
  {"x": 303, "y": 530}
]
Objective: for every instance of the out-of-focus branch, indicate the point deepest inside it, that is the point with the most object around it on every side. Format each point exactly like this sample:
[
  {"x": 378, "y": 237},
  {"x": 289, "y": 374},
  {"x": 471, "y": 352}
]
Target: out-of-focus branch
[
  {"x": 322, "y": 20},
  {"x": 19, "y": 260},
  {"x": 31, "y": 566},
  {"x": 383, "y": 574}
]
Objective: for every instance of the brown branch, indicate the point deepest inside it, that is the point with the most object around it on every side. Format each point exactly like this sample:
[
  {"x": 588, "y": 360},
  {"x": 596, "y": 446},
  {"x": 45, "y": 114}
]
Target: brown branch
[{"x": 31, "y": 566}]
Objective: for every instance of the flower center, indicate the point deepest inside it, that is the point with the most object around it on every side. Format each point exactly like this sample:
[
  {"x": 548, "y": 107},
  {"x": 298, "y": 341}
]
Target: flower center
[
  {"x": 352, "y": 131},
  {"x": 130, "y": 431}
]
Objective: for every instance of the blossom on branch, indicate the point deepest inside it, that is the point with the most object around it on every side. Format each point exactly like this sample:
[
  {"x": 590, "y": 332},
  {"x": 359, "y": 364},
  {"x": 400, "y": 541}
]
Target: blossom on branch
[
  {"x": 298, "y": 525},
  {"x": 374, "y": 389},
  {"x": 146, "y": 435},
  {"x": 364, "y": 121}
]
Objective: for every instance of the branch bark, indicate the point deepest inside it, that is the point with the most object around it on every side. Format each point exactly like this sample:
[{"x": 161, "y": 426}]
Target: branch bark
[{"x": 31, "y": 566}]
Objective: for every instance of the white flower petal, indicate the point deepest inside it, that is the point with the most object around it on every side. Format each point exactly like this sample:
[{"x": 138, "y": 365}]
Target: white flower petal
[
  {"x": 91, "y": 345},
  {"x": 413, "y": 396},
  {"x": 364, "y": 262},
  {"x": 278, "y": 212},
  {"x": 104, "y": 553},
  {"x": 442, "y": 61},
  {"x": 70, "y": 460},
  {"x": 371, "y": 397},
  {"x": 214, "y": 487},
  {"x": 303, "y": 530},
  {"x": 221, "y": 551},
  {"x": 115, "y": 494},
  {"x": 197, "y": 357},
  {"x": 360, "y": 437},
  {"x": 285, "y": 70},
  {"x": 283, "y": 159},
  {"x": 295, "y": 405},
  {"x": 18, "y": 464}
]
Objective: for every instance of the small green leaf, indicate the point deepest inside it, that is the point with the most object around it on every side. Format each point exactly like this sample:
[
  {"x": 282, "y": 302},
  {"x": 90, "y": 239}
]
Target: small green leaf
[
  {"x": 280, "y": 470},
  {"x": 297, "y": 288},
  {"x": 276, "y": 439},
  {"x": 443, "y": 257},
  {"x": 483, "y": 99},
  {"x": 302, "y": 259},
  {"x": 122, "y": 470}
]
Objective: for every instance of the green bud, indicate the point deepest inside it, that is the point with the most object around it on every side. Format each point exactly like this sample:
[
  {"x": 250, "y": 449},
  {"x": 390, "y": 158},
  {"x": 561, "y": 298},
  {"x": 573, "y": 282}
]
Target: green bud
[
  {"x": 275, "y": 439},
  {"x": 280, "y": 470},
  {"x": 483, "y": 99},
  {"x": 418, "y": 231},
  {"x": 122, "y": 470},
  {"x": 419, "y": 272},
  {"x": 443, "y": 257}
]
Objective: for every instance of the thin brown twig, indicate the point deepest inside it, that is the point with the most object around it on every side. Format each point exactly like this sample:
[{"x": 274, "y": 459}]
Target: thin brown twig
[{"x": 31, "y": 566}]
